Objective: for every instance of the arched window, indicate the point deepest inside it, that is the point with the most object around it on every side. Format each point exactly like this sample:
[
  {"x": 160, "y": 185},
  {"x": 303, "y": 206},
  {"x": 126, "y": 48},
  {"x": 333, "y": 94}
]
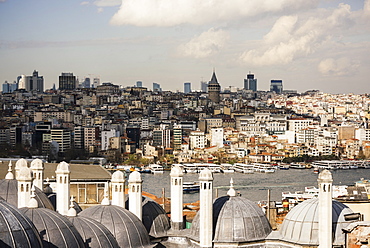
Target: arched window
[
  {"x": 22, "y": 189},
  {"x": 133, "y": 188},
  {"x": 175, "y": 181}
]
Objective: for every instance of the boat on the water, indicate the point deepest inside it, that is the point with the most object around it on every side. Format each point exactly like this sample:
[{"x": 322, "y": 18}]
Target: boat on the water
[
  {"x": 227, "y": 168},
  {"x": 297, "y": 166},
  {"x": 244, "y": 168},
  {"x": 190, "y": 187},
  {"x": 155, "y": 168}
]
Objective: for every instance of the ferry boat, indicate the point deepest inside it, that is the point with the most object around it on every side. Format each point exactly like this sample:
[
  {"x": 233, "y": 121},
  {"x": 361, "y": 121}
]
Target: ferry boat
[
  {"x": 297, "y": 166},
  {"x": 263, "y": 168},
  {"x": 227, "y": 168},
  {"x": 155, "y": 168},
  {"x": 190, "y": 187},
  {"x": 244, "y": 168},
  {"x": 190, "y": 168},
  {"x": 332, "y": 164}
]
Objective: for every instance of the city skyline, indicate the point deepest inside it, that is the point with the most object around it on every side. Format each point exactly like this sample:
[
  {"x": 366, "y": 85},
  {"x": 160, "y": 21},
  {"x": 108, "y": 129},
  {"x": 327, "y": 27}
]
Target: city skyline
[{"x": 172, "y": 42}]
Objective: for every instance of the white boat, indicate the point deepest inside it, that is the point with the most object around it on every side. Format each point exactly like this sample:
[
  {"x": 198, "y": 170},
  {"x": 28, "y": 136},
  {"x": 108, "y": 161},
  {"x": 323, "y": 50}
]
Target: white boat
[
  {"x": 244, "y": 168},
  {"x": 227, "y": 168},
  {"x": 263, "y": 168},
  {"x": 190, "y": 187},
  {"x": 190, "y": 168},
  {"x": 155, "y": 168},
  {"x": 297, "y": 166}
]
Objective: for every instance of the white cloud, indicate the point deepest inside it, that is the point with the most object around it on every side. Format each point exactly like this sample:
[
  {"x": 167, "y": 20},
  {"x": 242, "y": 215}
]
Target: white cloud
[
  {"x": 100, "y": 10},
  {"x": 82, "y": 3},
  {"x": 339, "y": 67},
  {"x": 292, "y": 37},
  {"x": 175, "y": 12},
  {"x": 204, "y": 45},
  {"x": 107, "y": 3}
]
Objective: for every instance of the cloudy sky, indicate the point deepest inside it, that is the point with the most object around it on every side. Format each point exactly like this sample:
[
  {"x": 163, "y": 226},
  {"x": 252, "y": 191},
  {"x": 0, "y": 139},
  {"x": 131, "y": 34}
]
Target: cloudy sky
[{"x": 315, "y": 44}]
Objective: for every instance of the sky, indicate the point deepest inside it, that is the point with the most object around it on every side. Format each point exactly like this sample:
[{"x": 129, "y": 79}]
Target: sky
[{"x": 315, "y": 44}]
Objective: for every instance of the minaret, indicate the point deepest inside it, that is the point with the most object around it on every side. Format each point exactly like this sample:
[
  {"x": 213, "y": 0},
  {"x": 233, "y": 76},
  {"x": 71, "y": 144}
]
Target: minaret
[
  {"x": 206, "y": 208},
  {"x": 135, "y": 194},
  {"x": 118, "y": 189},
  {"x": 21, "y": 163},
  {"x": 10, "y": 174},
  {"x": 37, "y": 168},
  {"x": 325, "y": 181},
  {"x": 62, "y": 180},
  {"x": 214, "y": 89},
  {"x": 24, "y": 186},
  {"x": 176, "y": 198}
]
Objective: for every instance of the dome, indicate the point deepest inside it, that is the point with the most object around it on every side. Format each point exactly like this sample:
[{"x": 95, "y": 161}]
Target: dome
[
  {"x": 134, "y": 177},
  {"x": 236, "y": 220},
  {"x": 93, "y": 233},
  {"x": 16, "y": 230},
  {"x": 154, "y": 218},
  {"x": 301, "y": 225},
  {"x": 21, "y": 163},
  {"x": 37, "y": 164},
  {"x": 128, "y": 229},
  {"x": 55, "y": 230},
  {"x": 62, "y": 167},
  {"x": 118, "y": 177},
  {"x": 176, "y": 171},
  {"x": 9, "y": 192},
  {"x": 205, "y": 175}
]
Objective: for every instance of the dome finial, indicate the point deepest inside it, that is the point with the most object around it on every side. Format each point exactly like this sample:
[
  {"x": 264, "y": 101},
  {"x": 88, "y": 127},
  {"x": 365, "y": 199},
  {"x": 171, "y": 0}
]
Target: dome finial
[
  {"x": 106, "y": 201},
  {"x": 231, "y": 191},
  {"x": 9, "y": 175},
  {"x": 72, "y": 211},
  {"x": 33, "y": 202}
]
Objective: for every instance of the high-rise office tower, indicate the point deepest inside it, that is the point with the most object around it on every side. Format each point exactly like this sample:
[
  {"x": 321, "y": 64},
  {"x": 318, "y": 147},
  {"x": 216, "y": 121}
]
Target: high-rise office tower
[
  {"x": 214, "y": 89},
  {"x": 67, "y": 81},
  {"x": 250, "y": 83},
  {"x": 35, "y": 82},
  {"x": 139, "y": 84},
  {"x": 31, "y": 83},
  {"x": 187, "y": 88},
  {"x": 276, "y": 86},
  {"x": 157, "y": 87},
  {"x": 203, "y": 86},
  {"x": 9, "y": 87}
]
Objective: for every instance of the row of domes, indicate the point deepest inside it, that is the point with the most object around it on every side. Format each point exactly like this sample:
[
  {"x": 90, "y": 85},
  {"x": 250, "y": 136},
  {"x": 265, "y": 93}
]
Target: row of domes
[{"x": 235, "y": 220}]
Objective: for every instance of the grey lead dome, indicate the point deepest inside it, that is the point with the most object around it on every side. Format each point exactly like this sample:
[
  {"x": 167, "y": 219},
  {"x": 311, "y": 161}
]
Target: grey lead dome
[
  {"x": 235, "y": 220},
  {"x": 301, "y": 225},
  {"x": 55, "y": 230},
  {"x": 93, "y": 233},
  {"x": 16, "y": 230},
  {"x": 128, "y": 229}
]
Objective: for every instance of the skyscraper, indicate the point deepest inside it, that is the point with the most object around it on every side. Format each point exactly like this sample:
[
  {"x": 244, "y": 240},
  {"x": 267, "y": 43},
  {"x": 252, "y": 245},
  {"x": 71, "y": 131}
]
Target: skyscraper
[
  {"x": 67, "y": 81},
  {"x": 250, "y": 83},
  {"x": 139, "y": 84},
  {"x": 214, "y": 89},
  {"x": 276, "y": 86},
  {"x": 187, "y": 88},
  {"x": 31, "y": 83},
  {"x": 157, "y": 87},
  {"x": 203, "y": 86}
]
